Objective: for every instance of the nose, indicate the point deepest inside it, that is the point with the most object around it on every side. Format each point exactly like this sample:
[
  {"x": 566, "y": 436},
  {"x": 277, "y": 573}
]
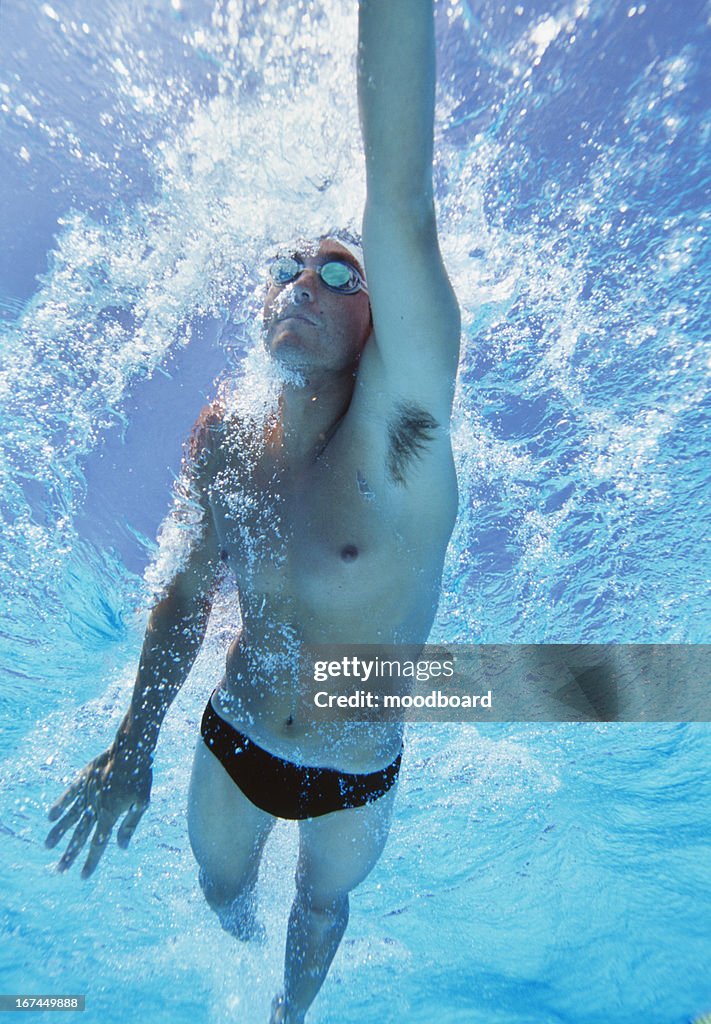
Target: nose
[{"x": 303, "y": 289}]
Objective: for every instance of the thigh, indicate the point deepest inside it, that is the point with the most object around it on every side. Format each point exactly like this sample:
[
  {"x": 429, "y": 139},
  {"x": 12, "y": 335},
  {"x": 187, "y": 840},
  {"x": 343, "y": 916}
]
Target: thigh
[
  {"x": 337, "y": 851},
  {"x": 227, "y": 832}
]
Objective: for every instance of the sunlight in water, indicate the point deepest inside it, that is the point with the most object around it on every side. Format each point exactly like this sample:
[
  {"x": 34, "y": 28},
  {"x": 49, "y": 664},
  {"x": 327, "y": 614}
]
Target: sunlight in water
[{"x": 161, "y": 152}]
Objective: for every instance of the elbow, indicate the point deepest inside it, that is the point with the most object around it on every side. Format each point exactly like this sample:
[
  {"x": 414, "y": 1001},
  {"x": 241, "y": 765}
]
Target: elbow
[{"x": 178, "y": 608}]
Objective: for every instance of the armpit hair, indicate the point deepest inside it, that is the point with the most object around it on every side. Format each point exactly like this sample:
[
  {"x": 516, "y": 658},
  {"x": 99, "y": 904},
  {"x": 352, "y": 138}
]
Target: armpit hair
[{"x": 409, "y": 432}]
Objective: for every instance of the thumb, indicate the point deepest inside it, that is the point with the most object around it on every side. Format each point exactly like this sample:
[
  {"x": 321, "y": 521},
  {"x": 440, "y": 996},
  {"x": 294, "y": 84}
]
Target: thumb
[{"x": 130, "y": 823}]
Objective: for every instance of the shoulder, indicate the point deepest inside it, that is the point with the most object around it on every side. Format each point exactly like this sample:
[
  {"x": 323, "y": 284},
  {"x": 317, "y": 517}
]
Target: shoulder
[
  {"x": 222, "y": 438},
  {"x": 205, "y": 436}
]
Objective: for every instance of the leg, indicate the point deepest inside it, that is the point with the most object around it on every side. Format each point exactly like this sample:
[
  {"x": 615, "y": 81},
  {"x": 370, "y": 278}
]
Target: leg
[
  {"x": 227, "y": 834},
  {"x": 336, "y": 852}
]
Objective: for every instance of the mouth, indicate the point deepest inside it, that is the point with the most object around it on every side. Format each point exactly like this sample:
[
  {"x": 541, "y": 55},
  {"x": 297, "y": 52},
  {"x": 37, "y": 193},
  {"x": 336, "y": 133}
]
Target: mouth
[{"x": 297, "y": 316}]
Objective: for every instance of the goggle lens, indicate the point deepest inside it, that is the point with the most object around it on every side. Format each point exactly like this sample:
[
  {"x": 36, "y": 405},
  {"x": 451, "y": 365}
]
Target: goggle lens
[
  {"x": 284, "y": 269},
  {"x": 339, "y": 275}
]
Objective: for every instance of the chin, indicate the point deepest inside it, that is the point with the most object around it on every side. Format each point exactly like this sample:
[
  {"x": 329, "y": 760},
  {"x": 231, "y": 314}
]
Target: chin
[{"x": 290, "y": 359}]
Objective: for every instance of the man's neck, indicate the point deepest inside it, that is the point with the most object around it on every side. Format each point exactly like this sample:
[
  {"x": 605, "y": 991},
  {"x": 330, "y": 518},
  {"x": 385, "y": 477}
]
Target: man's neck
[{"x": 309, "y": 414}]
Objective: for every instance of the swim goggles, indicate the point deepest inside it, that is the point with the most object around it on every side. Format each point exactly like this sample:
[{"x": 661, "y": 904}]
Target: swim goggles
[{"x": 338, "y": 276}]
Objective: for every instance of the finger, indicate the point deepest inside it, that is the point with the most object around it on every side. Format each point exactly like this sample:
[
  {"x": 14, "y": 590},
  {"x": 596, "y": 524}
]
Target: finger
[
  {"x": 59, "y": 806},
  {"x": 64, "y": 825},
  {"x": 86, "y": 823},
  {"x": 104, "y": 828},
  {"x": 130, "y": 823}
]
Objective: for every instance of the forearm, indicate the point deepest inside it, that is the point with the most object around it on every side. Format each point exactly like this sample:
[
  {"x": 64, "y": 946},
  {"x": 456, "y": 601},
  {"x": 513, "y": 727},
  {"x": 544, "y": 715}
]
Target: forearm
[
  {"x": 175, "y": 632},
  {"x": 396, "y": 92}
]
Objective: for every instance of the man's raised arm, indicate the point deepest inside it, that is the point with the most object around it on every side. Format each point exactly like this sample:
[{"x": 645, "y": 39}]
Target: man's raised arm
[{"x": 415, "y": 314}]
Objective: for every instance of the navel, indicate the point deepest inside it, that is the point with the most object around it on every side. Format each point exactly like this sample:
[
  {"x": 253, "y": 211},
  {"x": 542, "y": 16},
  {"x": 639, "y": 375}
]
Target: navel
[{"x": 349, "y": 553}]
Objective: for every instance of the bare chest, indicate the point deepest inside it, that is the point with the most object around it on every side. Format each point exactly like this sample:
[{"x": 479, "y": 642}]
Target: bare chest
[{"x": 284, "y": 533}]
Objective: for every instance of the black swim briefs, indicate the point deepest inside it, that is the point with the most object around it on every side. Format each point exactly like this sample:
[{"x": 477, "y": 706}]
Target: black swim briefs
[{"x": 289, "y": 790}]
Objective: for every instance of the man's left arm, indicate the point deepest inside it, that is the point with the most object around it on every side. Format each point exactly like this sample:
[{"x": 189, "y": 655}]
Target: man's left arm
[{"x": 415, "y": 314}]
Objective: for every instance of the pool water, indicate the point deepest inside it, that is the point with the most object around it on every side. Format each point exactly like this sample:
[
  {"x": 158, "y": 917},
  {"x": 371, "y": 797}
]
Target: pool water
[{"x": 535, "y": 874}]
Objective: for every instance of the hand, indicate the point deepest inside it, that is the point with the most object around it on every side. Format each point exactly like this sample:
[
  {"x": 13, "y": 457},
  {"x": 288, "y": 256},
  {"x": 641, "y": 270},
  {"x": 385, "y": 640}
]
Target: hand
[{"x": 115, "y": 782}]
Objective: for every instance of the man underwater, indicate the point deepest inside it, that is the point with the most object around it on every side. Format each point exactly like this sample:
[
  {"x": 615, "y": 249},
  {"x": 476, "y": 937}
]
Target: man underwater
[{"x": 349, "y": 548}]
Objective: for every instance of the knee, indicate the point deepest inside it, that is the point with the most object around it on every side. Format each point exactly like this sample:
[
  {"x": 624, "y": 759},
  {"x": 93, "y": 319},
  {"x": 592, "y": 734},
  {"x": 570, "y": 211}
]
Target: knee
[
  {"x": 216, "y": 894},
  {"x": 221, "y": 893},
  {"x": 328, "y": 911},
  {"x": 234, "y": 907}
]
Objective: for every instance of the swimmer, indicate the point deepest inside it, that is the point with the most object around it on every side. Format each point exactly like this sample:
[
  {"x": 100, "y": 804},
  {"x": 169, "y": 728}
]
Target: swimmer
[{"x": 333, "y": 523}]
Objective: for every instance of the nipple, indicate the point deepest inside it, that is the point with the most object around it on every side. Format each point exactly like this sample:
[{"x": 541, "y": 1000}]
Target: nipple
[{"x": 349, "y": 553}]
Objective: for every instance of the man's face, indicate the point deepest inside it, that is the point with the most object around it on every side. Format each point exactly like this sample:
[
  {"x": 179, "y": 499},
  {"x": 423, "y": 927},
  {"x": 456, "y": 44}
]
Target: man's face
[{"x": 309, "y": 327}]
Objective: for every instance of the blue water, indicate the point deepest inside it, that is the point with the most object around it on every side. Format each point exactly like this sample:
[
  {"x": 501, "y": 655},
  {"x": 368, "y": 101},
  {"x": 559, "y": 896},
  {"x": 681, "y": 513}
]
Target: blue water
[{"x": 150, "y": 152}]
